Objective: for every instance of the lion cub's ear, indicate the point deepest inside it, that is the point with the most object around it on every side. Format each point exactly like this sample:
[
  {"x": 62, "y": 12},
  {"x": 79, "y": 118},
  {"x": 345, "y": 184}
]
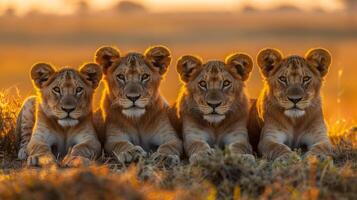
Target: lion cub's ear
[
  {"x": 41, "y": 72},
  {"x": 105, "y": 56},
  {"x": 268, "y": 59},
  {"x": 92, "y": 72},
  {"x": 187, "y": 66},
  {"x": 240, "y": 64},
  {"x": 319, "y": 58},
  {"x": 159, "y": 57}
]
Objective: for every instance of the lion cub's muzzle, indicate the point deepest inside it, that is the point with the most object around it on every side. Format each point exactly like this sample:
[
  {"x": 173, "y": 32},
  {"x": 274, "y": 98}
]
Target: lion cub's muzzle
[
  {"x": 69, "y": 116},
  {"x": 214, "y": 116},
  {"x": 135, "y": 107},
  {"x": 213, "y": 106},
  {"x": 133, "y": 97},
  {"x": 68, "y": 110},
  {"x": 295, "y": 96}
]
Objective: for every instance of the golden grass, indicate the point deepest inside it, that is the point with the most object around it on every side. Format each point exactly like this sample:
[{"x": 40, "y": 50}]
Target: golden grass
[
  {"x": 72, "y": 40},
  {"x": 9, "y": 107}
]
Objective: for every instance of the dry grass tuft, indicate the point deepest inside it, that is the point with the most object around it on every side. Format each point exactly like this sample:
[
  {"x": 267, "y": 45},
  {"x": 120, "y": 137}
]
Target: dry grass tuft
[{"x": 9, "y": 107}]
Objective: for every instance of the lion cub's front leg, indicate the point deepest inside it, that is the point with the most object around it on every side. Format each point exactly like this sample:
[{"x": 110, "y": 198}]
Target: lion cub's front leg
[
  {"x": 88, "y": 148},
  {"x": 169, "y": 150},
  {"x": 126, "y": 152},
  {"x": 197, "y": 150},
  {"x": 119, "y": 144},
  {"x": 169, "y": 145},
  {"x": 195, "y": 143},
  {"x": 272, "y": 144},
  {"x": 39, "y": 150},
  {"x": 238, "y": 144},
  {"x": 319, "y": 144}
]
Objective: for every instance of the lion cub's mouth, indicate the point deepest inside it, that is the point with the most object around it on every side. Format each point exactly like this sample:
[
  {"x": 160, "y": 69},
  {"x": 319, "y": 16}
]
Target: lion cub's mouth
[
  {"x": 67, "y": 122},
  {"x": 294, "y": 112},
  {"x": 134, "y": 111},
  {"x": 214, "y": 117},
  {"x": 214, "y": 112}
]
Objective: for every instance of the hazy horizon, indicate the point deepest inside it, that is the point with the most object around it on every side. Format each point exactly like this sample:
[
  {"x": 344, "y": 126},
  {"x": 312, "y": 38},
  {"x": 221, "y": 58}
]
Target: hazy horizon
[{"x": 65, "y": 7}]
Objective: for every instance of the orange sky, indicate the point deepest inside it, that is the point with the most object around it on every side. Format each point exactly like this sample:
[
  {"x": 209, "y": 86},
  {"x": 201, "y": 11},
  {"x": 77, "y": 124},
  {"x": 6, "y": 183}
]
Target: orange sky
[{"x": 66, "y": 6}]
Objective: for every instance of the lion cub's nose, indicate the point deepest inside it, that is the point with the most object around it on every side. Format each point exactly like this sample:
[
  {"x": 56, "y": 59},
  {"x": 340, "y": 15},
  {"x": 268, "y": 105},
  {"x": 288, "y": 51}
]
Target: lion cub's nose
[
  {"x": 68, "y": 110},
  {"x": 214, "y": 105},
  {"x": 295, "y": 100},
  {"x": 133, "y": 98}
]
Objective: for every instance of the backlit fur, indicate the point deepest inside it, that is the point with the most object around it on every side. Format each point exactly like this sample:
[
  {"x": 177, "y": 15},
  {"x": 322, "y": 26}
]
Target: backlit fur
[
  {"x": 62, "y": 123},
  {"x": 219, "y": 83},
  {"x": 137, "y": 126},
  {"x": 288, "y": 112}
]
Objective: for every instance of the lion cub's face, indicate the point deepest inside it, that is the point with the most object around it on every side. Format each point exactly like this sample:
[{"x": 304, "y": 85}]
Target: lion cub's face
[
  {"x": 294, "y": 81},
  {"x": 66, "y": 94},
  {"x": 214, "y": 87},
  {"x": 133, "y": 80}
]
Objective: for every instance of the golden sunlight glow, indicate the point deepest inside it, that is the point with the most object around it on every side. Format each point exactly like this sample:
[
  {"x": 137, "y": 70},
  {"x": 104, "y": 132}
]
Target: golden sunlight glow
[
  {"x": 328, "y": 5},
  {"x": 68, "y": 6},
  {"x": 45, "y": 6}
]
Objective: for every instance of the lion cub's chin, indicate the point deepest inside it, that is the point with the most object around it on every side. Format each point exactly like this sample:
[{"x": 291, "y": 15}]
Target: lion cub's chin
[
  {"x": 214, "y": 118},
  {"x": 294, "y": 113},
  {"x": 67, "y": 122},
  {"x": 134, "y": 112}
]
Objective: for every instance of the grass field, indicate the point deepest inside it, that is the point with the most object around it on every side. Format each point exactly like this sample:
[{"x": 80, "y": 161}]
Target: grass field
[{"x": 72, "y": 40}]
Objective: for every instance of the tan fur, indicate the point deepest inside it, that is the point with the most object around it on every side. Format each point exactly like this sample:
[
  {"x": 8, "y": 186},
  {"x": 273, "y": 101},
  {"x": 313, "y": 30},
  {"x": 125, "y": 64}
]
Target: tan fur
[
  {"x": 62, "y": 125},
  {"x": 283, "y": 123},
  {"x": 214, "y": 84},
  {"x": 136, "y": 115},
  {"x": 24, "y": 125}
]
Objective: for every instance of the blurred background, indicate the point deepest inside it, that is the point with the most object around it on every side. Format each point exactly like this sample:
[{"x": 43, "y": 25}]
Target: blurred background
[{"x": 67, "y": 33}]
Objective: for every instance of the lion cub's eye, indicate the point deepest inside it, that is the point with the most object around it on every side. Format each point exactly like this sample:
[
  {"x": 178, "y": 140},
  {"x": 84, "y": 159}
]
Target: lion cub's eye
[
  {"x": 79, "y": 90},
  {"x": 57, "y": 90},
  {"x": 226, "y": 83},
  {"x": 145, "y": 77},
  {"x": 283, "y": 79},
  {"x": 306, "y": 79},
  {"x": 203, "y": 84},
  {"x": 121, "y": 77}
]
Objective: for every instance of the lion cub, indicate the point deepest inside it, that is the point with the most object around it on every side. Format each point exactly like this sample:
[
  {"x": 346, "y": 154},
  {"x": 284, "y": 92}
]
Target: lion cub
[
  {"x": 213, "y": 106},
  {"x": 136, "y": 115},
  {"x": 62, "y": 123},
  {"x": 288, "y": 113}
]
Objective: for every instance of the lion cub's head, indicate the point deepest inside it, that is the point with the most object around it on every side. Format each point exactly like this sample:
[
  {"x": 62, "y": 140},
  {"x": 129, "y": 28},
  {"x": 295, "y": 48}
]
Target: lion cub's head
[
  {"x": 133, "y": 79},
  {"x": 294, "y": 82},
  {"x": 66, "y": 95},
  {"x": 215, "y": 88}
]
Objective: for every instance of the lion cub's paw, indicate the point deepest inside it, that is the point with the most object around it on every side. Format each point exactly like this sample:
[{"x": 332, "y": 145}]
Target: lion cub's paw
[
  {"x": 75, "y": 161},
  {"x": 41, "y": 161},
  {"x": 132, "y": 154},
  {"x": 22, "y": 154},
  {"x": 165, "y": 159},
  {"x": 201, "y": 156},
  {"x": 287, "y": 159}
]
